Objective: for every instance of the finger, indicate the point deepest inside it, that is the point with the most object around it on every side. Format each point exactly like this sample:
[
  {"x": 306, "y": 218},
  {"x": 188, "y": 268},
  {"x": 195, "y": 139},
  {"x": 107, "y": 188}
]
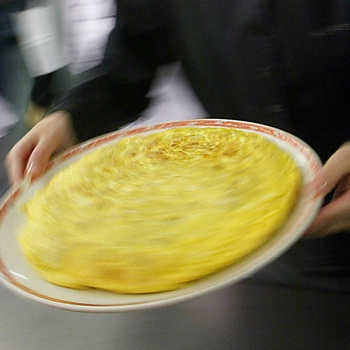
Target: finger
[
  {"x": 332, "y": 218},
  {"x": 335, "y": 168},
  {"x": 16, "y": 161},
  {"x": 342, "y": 187},
  {"x": 32, "y": 153},
  {"x": 40, "y": 157}
]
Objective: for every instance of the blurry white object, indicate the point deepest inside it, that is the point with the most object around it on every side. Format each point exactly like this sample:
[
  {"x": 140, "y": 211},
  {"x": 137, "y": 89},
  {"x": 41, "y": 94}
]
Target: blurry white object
[
  {"x": 41, "y": 38},
  {"x": 172, "y": 98},
  {"x": 7, "y": 117},
  {"x": 87, "y": 25},
  {"x": 57, "y": 33}
]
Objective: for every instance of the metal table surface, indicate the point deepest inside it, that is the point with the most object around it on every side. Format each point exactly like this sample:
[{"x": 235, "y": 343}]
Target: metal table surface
[{"x": 246, "y": 316}]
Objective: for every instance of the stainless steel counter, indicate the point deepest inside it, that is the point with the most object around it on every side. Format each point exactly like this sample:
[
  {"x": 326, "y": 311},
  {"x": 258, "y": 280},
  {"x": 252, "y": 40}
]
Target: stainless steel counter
[{"x": 246, "y": 316}]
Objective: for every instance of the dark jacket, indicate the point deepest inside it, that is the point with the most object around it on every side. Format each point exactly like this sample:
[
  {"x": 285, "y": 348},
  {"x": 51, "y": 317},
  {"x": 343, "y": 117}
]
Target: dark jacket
[{"x": 284, "y": 63}]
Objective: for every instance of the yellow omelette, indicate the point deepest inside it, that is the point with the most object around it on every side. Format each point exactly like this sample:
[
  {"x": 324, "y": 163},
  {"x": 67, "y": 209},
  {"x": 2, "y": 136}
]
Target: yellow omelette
[{"x": 153, "y": 212}]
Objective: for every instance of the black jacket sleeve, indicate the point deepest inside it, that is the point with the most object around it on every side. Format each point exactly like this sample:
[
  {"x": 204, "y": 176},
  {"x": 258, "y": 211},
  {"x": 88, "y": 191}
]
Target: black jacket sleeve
[{"x": 116, "y": 92}]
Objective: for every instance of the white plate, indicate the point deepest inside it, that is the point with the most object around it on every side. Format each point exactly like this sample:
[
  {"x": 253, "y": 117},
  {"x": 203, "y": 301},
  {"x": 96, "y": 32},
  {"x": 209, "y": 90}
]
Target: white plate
[{"x": 19, "y": 276}]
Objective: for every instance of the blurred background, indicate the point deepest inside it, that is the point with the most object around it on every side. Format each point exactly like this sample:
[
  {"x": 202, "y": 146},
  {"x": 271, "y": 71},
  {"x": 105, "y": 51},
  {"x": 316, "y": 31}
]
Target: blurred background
[
  {"x": 28, "y": 77},
  {"x": 85, "y": 25}
]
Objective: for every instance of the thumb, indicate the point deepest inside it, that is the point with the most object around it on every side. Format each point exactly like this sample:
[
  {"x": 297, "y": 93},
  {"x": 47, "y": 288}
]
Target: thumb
[
  {"x": 333, "y": 171},
  {"x": 39, "y": 159}
]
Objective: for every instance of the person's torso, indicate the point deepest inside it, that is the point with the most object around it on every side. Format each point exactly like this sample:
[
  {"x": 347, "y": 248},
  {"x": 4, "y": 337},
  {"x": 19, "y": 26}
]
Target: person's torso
[{"x": 282, "y": 63}]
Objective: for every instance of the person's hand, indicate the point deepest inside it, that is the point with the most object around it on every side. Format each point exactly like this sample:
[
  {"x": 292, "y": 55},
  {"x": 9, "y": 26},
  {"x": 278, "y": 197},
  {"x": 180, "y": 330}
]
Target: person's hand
[
  {"x": 335, "y": 175},
  {"x": 32, "y": 153}
]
